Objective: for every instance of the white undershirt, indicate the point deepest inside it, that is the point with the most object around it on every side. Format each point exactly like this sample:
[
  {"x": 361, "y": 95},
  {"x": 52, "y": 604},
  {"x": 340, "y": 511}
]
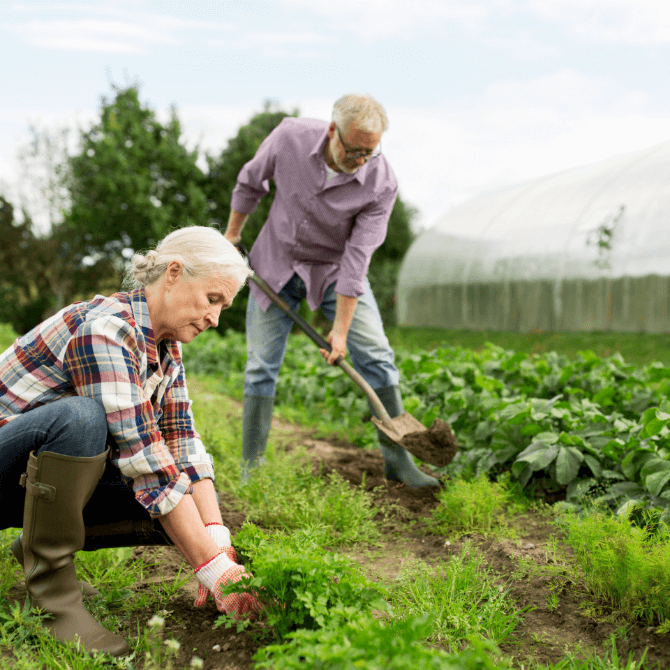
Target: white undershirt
[{"x": 330, "y": 173}]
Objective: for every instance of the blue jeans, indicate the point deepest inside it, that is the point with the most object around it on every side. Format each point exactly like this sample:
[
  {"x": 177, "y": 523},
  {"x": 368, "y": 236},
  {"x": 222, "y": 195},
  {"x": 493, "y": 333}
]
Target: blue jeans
[
  {"x": 73, "y": 426},
  {"x": 267, "y": 334}
]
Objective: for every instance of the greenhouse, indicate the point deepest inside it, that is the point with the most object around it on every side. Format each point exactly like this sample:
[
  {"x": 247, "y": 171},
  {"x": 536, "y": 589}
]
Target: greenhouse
[{"x": 584, "y": 249}]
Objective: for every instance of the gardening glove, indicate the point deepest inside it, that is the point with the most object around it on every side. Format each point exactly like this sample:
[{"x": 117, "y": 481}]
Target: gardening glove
[
  {"x": 221, "y": 535},
  {"x": 221, "y": 571}
]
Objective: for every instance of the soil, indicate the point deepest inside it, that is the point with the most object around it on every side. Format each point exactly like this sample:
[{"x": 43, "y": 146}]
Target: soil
[{"x": 531, "y": 566}]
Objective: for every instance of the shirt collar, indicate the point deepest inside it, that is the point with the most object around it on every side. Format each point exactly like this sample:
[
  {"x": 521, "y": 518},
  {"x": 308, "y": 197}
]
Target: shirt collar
[{"x": 138, "y": 303}]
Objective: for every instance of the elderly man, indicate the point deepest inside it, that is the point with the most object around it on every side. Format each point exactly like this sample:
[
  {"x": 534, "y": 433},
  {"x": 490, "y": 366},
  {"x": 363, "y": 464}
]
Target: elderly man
[{"x": 334, "y": 195}]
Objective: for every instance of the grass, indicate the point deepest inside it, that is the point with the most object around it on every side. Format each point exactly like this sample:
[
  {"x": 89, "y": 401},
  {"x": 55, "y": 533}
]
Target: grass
[{"x": 462, "y": 596}]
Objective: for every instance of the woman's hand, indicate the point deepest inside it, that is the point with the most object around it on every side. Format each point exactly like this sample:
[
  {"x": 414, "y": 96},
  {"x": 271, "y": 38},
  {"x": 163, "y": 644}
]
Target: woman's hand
[{"x": 221, "y": 535}]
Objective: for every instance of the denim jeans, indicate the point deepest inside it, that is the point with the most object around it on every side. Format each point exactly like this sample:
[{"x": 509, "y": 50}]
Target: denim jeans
[
  {"x": 73, "y": 426},
  {"x": 267, "y": 334}
]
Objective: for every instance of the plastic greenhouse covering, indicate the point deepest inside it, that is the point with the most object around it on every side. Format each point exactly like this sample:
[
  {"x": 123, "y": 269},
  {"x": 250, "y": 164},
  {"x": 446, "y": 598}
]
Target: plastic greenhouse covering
[{"x": 583, "y": 249}]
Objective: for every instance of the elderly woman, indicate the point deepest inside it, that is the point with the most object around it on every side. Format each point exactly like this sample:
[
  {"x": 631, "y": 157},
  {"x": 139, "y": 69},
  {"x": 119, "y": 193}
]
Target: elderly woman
[{"x": 96, "y": 425}]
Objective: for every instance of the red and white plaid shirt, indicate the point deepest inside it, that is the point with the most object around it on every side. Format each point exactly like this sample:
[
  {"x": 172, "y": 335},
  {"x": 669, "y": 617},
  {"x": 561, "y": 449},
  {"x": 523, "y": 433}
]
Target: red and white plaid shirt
[{"x": 104, "y": 349}]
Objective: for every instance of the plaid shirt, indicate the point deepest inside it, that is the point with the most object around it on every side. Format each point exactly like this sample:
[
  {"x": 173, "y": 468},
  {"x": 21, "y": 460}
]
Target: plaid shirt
[{"x": 104, "y": 349}]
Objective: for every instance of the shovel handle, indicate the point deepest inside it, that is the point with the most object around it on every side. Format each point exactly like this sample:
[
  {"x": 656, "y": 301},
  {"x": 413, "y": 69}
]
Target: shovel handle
[{"x": 376, "y": 403}]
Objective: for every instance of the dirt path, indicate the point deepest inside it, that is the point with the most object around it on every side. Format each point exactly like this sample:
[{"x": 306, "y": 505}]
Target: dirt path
[{"x": 532, "y": 566}]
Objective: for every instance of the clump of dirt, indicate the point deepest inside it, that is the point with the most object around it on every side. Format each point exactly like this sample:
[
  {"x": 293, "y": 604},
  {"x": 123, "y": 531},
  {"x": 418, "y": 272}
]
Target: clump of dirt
[{"x": 436, "y": 446}]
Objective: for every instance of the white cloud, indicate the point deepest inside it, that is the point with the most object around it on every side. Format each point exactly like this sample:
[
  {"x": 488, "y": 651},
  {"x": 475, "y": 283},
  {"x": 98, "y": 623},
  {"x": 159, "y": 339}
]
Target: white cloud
[
  {"x": 268, "y": 44},
  {"x": 632, "y": 21},
  {"x": 382, "y": 19},
  {"x": 110, "y": 28}
]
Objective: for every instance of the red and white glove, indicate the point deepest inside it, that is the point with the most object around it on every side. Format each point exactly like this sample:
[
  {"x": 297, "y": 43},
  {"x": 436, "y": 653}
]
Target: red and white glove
[
  {"x": 221, "y": 535},
  {"x": 221, "y": 571}
]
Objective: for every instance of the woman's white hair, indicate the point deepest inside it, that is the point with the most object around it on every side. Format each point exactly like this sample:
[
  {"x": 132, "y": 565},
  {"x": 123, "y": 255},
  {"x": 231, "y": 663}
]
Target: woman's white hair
[
  {"x": 202, "y": 251},
  {"x": 369, "y": 115}
]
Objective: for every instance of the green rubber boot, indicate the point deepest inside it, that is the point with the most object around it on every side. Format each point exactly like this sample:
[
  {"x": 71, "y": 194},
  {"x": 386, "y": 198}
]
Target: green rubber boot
[
  {"x": 398, "y": 462},
  {"x": 57, "y": 490},
  {"x": 256, "y": 422}
]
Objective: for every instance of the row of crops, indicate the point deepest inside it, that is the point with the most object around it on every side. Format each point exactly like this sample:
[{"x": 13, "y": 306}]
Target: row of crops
[{"x": 587, "y": 428}]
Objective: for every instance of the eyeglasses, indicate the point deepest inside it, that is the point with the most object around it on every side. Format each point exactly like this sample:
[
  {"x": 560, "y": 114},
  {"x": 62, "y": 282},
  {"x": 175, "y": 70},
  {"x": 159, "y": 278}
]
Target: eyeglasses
[{"x": 356, "y": 153}]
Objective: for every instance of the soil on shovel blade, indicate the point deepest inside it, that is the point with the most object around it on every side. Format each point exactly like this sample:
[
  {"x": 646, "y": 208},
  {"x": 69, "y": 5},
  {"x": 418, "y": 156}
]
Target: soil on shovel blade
[
  {"x": 547, "y": 630},
  {"x": 436, "y": 446}
]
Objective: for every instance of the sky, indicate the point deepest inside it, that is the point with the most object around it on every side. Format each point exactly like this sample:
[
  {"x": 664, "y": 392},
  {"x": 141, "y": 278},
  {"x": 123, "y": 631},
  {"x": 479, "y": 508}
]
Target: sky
[{"x": 479, "y": 93}]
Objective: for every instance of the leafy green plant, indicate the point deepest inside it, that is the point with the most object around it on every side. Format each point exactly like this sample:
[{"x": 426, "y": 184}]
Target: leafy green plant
[
  {"x": 463, "y": 597},
  {"x": 300, "y": 584},
  {"x": 467, "y": 507},
  {"x": 586, "y": 426},
  {"x": 373, "y": 644}
]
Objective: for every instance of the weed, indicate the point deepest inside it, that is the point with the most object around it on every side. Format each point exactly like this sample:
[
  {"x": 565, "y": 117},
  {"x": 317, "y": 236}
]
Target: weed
[
  {"x": 467, "y": 507},
  {"x": 462, "y": 595},
  {"x": 113, "y": 574},
  {"x": 622, "y": 564},
  {"x": 552, "y": 600},
  {"x": 592, "y": 661},
  {"x": 9, "y": 566}
]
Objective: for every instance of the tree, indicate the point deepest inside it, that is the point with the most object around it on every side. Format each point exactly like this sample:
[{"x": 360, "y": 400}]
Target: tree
[{"x": 133, "y": 181}]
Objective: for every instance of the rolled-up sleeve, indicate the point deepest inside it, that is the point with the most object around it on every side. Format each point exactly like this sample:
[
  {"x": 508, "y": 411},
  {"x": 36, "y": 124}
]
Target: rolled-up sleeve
[
  {"x": 178, "y": 430},
  {"x": 367, "y": 234},
  {"x": 102, "y": 360}
]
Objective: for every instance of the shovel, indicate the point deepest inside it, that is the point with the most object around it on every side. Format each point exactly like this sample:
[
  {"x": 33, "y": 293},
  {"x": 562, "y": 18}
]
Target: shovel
[{"x": 436, "y": 446}]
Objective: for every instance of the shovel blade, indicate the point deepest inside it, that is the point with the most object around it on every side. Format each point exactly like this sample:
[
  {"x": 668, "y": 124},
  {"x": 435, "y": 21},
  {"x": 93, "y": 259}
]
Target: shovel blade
[{"x": 435, "y": 445}]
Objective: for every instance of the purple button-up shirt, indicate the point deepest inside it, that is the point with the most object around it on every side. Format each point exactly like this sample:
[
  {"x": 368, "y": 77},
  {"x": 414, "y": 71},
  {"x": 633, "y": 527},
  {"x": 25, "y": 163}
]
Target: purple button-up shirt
[{"x": 324, "y": 230}]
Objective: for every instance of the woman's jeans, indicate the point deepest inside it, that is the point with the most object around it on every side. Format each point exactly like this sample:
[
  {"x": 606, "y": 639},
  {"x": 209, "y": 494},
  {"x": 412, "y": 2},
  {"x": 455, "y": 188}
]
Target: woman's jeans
[
  {"x": 73, "y": 426},
  {"x": 267, "y": 334}
]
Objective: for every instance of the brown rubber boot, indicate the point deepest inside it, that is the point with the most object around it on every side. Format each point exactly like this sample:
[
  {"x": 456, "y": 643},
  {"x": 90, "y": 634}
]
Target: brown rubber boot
[
  {"x": 57, "y": 490},
  {"x": 87, "y": 590}
]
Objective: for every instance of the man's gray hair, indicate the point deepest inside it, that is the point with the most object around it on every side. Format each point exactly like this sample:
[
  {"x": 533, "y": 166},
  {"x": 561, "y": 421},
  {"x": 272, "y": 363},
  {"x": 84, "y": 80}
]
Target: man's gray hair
[
  {"x": 202, "y": 251},
  {"x": 369, "y": 115}
]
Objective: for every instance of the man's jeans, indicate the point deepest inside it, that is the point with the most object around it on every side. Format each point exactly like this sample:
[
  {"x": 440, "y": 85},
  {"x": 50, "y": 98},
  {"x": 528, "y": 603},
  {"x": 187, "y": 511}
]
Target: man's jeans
[
  {"x": 73, "y": 426},
  {"x": 267, "y": 334}
]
